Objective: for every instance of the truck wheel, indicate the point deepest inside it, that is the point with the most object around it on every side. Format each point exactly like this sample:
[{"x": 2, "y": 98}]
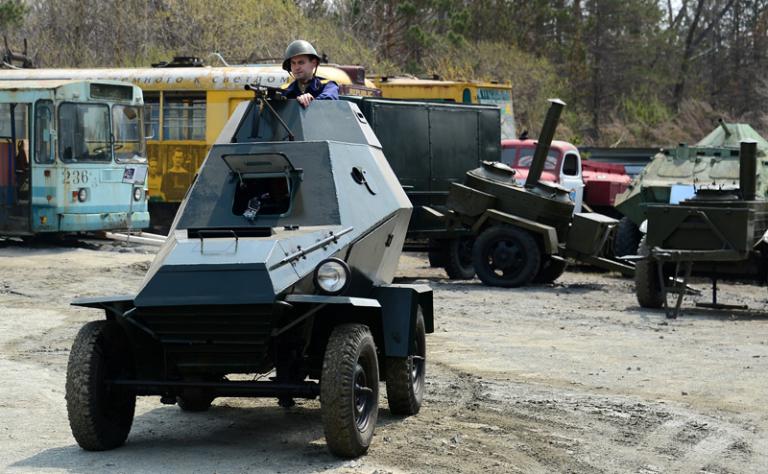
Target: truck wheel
[
  {"x": 647, "y": 285},
  {"x": 627, "y": 238},
  {"x": 100, "y": 416},
  {"x": 458, "y": 259},
  {"x": 436, "y": 253},
  {"x": 349, "y": 390},
  {"x": 550, "y": 270},
  {"x": 405, "y": 375},
  {"x": 506, "y": 256}
]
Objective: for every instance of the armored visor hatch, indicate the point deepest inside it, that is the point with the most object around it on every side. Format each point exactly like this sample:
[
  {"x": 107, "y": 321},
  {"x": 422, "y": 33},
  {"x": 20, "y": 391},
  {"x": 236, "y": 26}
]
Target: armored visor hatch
[{"x": 279, "y": 262}]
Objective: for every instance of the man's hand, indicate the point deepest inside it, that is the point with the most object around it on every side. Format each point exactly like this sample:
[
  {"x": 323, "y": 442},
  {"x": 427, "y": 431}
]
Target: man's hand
[{"x": 305, "y": 99}]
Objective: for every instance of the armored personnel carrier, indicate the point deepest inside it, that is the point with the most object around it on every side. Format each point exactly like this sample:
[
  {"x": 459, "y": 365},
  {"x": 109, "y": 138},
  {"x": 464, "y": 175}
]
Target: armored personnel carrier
[
  {"x": 719, "y": 233},
  {"x": 713, "y": 160},
  {"x": 278, "y": 265},
  {"x": 524, "y": 233}
]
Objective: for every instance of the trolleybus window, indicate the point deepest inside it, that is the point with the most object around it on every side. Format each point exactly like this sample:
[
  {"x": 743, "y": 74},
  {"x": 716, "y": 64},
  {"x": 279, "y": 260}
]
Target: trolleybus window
[
  {"x": 84, "y": 132},
  {"x": 43, "y": 123},
  {"x": 127, "y": 129},
  {"x": 152, "y": 115},
  {"x": 20, "y": 117},
  {"x": 183, "y": 116}
]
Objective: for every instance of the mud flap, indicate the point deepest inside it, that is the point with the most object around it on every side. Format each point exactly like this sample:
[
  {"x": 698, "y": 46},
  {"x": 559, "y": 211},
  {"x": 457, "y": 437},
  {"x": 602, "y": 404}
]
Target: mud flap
[{"x": 399, "y": 305}]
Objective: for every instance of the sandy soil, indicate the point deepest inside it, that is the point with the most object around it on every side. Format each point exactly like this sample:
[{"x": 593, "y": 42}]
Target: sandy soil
[{"x": 570, "y": 377}]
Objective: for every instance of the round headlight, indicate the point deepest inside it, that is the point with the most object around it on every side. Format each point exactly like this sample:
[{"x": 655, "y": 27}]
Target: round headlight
[
  {"x": 137, "y": 194},
  {"x": 82, "y": 195},
  {"x": 332, "y": 276}
]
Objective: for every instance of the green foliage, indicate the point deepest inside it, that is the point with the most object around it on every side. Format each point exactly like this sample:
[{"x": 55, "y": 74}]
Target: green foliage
[{"x": 11, "y": 13}]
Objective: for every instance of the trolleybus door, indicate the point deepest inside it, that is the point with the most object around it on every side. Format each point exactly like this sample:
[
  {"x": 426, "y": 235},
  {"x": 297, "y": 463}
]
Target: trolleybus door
[{"x": 14, "y": 168}]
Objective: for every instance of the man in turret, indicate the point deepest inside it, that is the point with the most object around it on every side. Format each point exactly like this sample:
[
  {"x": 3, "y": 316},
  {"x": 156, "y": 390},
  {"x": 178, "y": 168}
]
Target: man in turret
[{"x": 301, "y": 60}]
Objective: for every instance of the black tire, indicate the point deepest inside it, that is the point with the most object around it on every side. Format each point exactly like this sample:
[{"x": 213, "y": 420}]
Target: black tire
[
  {"x": 405, "y": 375},
  {"x": 627, "y": 238},
  {"x": 506, "y": 256},
  {"x": 195, "y": 400},
  {"x": 349, "y": 390},
  {"x": 436, "y": 253},
  {"x": 458, "y": 259},
  {"x": 550, "y": 270},
  {"x": 100, "y": 416},
  {"x": 647, "y": 284}
]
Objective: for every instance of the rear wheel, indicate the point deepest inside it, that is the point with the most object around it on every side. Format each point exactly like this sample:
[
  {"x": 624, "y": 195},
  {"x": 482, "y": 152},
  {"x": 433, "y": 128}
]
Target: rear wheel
[
  {"x": 405, "y": 375},
  {"x": 458, "y": 258},
  {"x": 349, "y": 390},
  {"x": 506, "y": 256},
  {"x": 627, "y": 238},
  {"x": 195, "y": 400},
  {"x": 436, "y": 253},
  {"x": 100, "y": 415}
]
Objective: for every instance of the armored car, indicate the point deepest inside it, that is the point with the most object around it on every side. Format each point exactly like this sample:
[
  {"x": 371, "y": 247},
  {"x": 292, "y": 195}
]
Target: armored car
[{"x": 279, "y": 264}]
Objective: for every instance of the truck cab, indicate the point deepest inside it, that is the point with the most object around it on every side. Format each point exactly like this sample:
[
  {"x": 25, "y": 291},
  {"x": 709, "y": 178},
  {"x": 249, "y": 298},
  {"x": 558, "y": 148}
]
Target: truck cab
[{"x": 563, "y": 165}]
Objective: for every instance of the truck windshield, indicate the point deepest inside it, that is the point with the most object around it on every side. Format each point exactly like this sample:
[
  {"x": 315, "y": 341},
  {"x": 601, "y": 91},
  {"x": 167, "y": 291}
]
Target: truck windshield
[
  {"x": 84, "y": 133},
  {"x": 526, "y": 157},
  {"x": 127, "y": 127}
]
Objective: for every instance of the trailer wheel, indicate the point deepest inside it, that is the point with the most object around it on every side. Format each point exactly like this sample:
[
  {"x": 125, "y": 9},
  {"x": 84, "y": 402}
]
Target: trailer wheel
[
  {"x": 100, "y": 415},
  {"x": 349, "y": 390},
  {"x": 627, "y": 238},
  {"x": 647, "y": 284},
  {"x": 195, "y": 400},
  {"x": 506, "y": 256},
  {"x": 458, "y": 258},
  {"x": 550, "y": 270},
  {"x": 405, "y": 375}
]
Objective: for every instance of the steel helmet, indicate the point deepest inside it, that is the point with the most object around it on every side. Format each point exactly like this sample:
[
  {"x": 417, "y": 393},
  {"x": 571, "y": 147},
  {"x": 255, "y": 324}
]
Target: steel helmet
[{"x": 298, "y": 48}]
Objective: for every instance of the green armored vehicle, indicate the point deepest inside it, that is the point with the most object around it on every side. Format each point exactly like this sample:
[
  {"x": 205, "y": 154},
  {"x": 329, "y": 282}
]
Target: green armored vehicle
[
  {"x": 524, "y": 233},
  {"x": 279, "y": 265},
  {"x": 673, "y": 173},
  {"x": 721, "y": 232}
]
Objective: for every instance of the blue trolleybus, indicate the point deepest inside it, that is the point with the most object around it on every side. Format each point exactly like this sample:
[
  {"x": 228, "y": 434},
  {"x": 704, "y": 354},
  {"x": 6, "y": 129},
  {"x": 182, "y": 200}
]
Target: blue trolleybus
[{"x": 72, "y": 157}]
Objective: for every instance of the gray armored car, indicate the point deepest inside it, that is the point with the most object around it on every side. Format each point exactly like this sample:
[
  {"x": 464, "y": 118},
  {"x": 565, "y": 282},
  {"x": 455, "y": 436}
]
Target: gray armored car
[{"x": 278, "y": 265}]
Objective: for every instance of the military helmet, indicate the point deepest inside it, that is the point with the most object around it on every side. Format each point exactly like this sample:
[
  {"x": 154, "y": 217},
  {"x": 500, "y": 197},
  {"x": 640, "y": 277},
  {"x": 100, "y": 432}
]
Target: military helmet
[{"x": 298, "y": 48}]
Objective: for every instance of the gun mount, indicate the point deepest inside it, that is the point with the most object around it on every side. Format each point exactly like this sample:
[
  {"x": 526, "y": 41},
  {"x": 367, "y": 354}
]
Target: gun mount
[{"x": 279, "y": 261}]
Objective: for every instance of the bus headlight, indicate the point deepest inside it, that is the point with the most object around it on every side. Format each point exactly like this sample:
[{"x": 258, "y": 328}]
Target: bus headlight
[
  {"x": 137, "y": 194},
  {"x": 332, "y": 276},
  {"x": 82, "y": 194}
]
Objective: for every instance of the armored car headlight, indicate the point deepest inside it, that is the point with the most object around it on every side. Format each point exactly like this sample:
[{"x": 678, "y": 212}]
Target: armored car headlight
[{"x": 332, "y": 276}]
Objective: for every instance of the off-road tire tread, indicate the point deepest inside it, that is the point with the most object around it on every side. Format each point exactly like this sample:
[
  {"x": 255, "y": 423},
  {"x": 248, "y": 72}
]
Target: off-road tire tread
[
  {"x": 647, "y": 288},
  {"x": 403, "y": 400},
  {"x": 627, "y": 239},
  {"x": 345, "y": 344},
  {"x": 91, "y": 431},
  {"x": 487, "y": 276},
  {"x": 550, "y": 271}
]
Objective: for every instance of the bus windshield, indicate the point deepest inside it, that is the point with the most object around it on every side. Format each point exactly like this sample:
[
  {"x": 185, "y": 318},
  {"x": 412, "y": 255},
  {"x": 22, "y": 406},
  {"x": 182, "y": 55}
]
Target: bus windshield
[
  {"x": 503, "y": 99},
  {"x": 128, "y": 131},
  {"x": 20, "y": 119},
  {"x": 84, "y": 132}
]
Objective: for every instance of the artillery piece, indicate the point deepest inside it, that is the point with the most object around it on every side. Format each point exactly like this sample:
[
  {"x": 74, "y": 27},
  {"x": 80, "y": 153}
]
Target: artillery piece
[
  {"x": 279, "y": 262},
  {"x": 721, "y": 233},
  {"x": 524, "y": 233}
]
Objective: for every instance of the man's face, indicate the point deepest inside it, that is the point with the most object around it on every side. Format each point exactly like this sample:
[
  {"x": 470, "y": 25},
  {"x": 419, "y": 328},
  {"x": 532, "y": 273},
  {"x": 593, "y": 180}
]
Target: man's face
[
  {"x": 302, "y": 67},
  {"x": 178, "y": 159},
  {"x": 154, "y": 167}
]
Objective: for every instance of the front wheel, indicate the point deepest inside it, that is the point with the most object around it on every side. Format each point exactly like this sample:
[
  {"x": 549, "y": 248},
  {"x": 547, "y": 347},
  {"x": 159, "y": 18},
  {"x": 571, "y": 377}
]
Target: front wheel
[
  {"x": 100, "y": 415},
  {"x": 349, "y": 390},
  {"x": 405, "y": 375},
  {"x": 506, "y": 256}
]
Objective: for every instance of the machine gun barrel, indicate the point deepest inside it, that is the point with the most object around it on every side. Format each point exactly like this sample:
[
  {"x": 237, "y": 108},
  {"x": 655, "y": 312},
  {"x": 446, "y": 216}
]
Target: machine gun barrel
[
  {"x": 748, "y": 170},
  {"x": 544, "y": 142}
]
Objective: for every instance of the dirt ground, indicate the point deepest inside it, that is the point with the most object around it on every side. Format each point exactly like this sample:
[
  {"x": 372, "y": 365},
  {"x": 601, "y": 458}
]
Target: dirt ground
[{"x": 570, "y": 377}]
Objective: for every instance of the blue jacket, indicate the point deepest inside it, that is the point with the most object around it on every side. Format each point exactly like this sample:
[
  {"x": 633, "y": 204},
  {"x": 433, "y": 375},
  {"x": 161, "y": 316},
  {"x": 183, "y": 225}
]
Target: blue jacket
[{"x": 321, "y": 89}]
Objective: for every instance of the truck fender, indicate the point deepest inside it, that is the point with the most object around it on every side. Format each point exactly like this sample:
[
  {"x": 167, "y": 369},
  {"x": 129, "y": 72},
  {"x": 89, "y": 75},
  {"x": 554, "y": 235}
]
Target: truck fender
[
  {"x": 548, "y": 233},
  {"x": 113, "y": 306},
  {"x": 399, "y": 307}
]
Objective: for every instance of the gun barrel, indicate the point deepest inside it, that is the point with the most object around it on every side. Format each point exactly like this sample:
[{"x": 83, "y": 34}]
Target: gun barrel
[{"x": 544, "y": 142}]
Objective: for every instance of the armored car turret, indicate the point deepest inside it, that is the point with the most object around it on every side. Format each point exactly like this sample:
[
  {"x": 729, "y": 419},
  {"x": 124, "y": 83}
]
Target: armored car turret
[{"x": 279, "y": 262}]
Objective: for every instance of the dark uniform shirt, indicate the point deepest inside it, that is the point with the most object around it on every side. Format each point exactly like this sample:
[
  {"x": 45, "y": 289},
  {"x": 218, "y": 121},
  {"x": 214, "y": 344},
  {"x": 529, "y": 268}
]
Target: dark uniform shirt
[{"x": 321, "y": 89}]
